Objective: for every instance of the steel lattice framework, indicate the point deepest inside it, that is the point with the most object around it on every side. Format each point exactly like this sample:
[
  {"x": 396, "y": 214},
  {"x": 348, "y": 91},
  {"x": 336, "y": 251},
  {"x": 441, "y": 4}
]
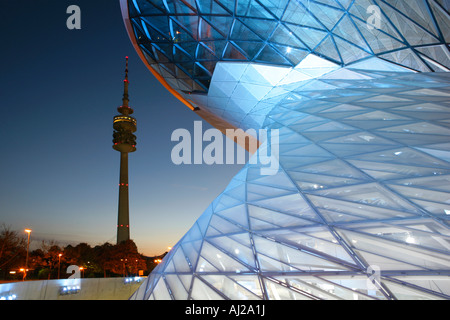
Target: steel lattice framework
[
  {"x": 359, "y": 207},
  {"x": 183, "y": 40}
]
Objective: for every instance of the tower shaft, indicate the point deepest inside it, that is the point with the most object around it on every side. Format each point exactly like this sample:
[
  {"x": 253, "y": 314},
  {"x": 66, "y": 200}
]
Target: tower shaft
[
  {"x": 124, "y": 141},
  {"x": 123, "y": 221}
]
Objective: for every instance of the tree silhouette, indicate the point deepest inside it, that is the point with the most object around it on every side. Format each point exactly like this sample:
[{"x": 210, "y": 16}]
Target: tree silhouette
[
  {"x": 12, "y": 249},
  {"x": 103, "y": 260}
]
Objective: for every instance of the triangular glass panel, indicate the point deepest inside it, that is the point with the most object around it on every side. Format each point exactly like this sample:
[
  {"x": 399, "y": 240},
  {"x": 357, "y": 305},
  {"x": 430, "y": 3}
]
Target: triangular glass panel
[
  {"x": 181, "y": 7},
  {"x": 313, "y": 239},
  {"x": 163, "y": 34},
  {"x": 407, "y": 58},
  {"x": 298, "y": 14},
  {"x": 178, "y": 262},
  {"x": 414, "y": 33},
  {"x": 221, "y": 23},
  {"x": 219, "y": 260},
  {"x": 442, "y": 18},
  {"x": 328, "y": 48},
  {"x": 201, "y": 291},
  {"x": 347, "y": 30},
  {"x": 438, "y": 53},
  {"x": 207, "y": 32},
  {"x": 237, "y": 214},
  {"x": 403, "y": 292},
  {"x": 379, "y": 41},
  {"x": 391, "y": 255},
  {"x": 295, "y": 56},
  {"x": 241, "y": 31},
  {"x": 258, "y": 192},
  {"x": 405, "y": 235},
  {"x": 266, "y": 219},
  {"x": 338, "y": 209},
  {"x": 293, "y": 257},
  {"x": 157, "y": 3},
  {"x": 281, "y": 35},
  {"x": 217, "y": 47},
  {"x": 167, "y": 49},
  {"x": 189, "y": 23},
  {"x": 251, "y": 48},
  {"x": 334, "y": 167},
  {"x": 162, "y": 56},
  {"x": 322, "y": 289},
  {"x": 437, "y": 287},
  {"x": 419, "y": 128},
  {"x": 329, "y": 16},
  {"x": 417, "y": 11},
  {"x": 371, "y": 194},
  {"x": 148, "y": 8},
  {"x": 292, "y": 204},
  {"x": 275, "y": 7},
  {"x": 236, "y": 290},
  {"x": 308, "y": 181},
  {"x": 243, "y": 253},
  {"x": 263, "y": 28},
  {"x": 231, "y": 52},
  {"x": 250, "y": 282},
  {"x": 220, "y": 226},
  {"x": 309, "y": 36},
  {"x": 211, "y": 7},
  {"x": 176, "y": 287},
  {"x": 160, "y": 24},
  {"x": 349, "y": 52},
  {"x": 200, "y": 71},
  {"x": 356, "y": 288},
  {"x": 160, "y": 292},
  {"x": 276, "y": 291},
  {"x": 268, "y": 53},
  {"x": 278, "y": 180},
  {"x": 251, "y": 8}
]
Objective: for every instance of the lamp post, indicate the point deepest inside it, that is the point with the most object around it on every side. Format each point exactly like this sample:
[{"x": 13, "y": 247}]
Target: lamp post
[
  {"x": 24, "y": 273},
  {"x": 28, "y": 250},
  {"x": 59, "y": 263}
]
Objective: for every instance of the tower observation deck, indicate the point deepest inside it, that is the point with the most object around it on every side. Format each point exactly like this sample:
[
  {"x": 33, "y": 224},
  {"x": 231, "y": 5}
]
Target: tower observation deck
[{"x": 124, "y": 141}]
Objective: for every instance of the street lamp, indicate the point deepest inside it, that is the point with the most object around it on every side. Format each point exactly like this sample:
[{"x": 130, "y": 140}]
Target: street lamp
[
  {"x": 59, "y": 263},
  {"x": 28, "y": 249},
  {"x": 124, "y": 268},
  {"x": 24, "y": 273}
]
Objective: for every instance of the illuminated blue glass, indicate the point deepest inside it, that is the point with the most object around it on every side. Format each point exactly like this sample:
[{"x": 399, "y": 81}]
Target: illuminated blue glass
[
  {"x": 195, "y": 35},
  {"x": 359, "y": 207}
]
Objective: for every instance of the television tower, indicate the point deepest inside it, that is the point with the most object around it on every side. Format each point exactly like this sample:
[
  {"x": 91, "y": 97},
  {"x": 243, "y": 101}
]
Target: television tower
[{"x": 124, "y": 141}]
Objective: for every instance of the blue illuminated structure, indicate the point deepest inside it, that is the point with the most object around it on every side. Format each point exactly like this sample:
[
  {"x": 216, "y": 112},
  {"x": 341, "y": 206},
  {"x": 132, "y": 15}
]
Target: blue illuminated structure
[
  {"x": 358, "y": 90},
  {"x": 184, "y": 40}
]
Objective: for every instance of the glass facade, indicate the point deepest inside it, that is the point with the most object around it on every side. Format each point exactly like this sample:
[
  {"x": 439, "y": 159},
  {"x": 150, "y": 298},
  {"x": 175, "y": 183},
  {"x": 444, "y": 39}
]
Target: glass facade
[
  {"x": 184, "y": 39},
  {"x": 359, "y": 207}
]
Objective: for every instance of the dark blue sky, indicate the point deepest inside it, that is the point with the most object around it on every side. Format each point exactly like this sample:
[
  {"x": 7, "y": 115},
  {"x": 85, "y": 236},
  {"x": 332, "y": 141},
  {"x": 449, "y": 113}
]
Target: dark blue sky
[{"x": 59, "y": 92}]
